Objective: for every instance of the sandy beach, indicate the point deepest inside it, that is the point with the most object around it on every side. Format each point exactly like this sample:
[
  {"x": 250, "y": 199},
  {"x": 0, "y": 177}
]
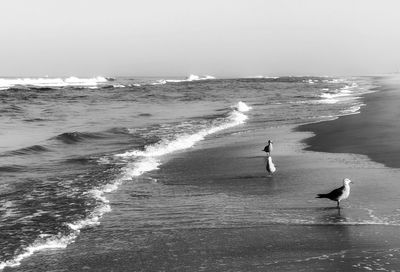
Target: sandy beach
[{"x": 218, "y": 210}]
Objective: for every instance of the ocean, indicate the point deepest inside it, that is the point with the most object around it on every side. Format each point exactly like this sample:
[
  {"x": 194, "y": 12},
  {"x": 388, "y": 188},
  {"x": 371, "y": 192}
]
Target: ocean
[{"x": 72, "y": 149}]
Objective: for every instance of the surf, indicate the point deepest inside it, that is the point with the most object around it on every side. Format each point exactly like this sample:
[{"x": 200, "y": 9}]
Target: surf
[{"x": 137, "y": 162}]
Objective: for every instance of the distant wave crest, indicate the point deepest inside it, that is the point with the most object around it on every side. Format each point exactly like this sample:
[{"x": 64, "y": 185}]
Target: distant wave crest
[
  {"x": 188, "y": 79},
  {"x": 6, "y": 83}
]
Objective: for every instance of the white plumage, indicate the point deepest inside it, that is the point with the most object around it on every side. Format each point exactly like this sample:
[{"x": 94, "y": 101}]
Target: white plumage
[{"x": 270, "y": 165}]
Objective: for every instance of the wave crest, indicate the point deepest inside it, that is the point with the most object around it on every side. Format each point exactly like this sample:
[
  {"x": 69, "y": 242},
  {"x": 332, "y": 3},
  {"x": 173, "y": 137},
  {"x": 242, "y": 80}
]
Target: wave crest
[
  {"x": 6, "y": 83},
  {"x": 75, "y": 137},
  {"x": 34, "y": 149},
  {"x": 188, "y": 79},
  {"x": 235, "y": 117}
]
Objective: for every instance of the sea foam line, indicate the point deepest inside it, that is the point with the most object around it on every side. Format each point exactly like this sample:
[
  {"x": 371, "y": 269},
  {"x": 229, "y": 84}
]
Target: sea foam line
[{"x": 145, "y": 161}]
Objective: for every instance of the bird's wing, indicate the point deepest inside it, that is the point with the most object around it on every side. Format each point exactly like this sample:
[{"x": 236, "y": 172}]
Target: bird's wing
[{"x": 335, "y": 193}]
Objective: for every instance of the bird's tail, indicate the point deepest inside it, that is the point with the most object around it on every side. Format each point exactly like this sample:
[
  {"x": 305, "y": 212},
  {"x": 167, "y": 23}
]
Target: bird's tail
[{"x": 321, "y": 196}]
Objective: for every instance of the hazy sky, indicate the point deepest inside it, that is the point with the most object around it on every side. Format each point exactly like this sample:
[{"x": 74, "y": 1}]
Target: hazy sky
[{"x": 216, "y": 37}]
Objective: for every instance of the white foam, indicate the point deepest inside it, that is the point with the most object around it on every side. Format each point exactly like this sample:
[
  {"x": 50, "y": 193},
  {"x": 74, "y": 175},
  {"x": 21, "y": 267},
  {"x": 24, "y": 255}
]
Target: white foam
[
  {"x": 242, "y": 107},
  {"x": 335, "y": 80},
  {"x": 353, "y": 109},
  {"x": 139, "y": 167},
  {"x": 188, "y": 79},
  {"x": 345, "y": 93},
  {"x": 6, "y": 83},
  {"x": 51, "y": 242},
  {"x": 45, "y": 241},
  {"x": 261, "y": 77}
]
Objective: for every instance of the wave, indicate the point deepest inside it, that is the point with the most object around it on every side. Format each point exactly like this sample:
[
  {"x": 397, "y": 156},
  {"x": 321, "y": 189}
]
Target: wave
[
  {"x": 6, "y": 83},
  {"x": 78, "y": 160},
  {"x": 353, "y": 109},
  {"x": 43, "y": 242},
  {"x": 188, "y": 79},
  {"x": 334, "y": 80},
  {"x": 235, "y": 117},
  {"x": 75, "y": 137},
  {"x": 333, "y": 97},
  {"x": 12, "y": 109},
  {"x": 34, "y": 120},
  {"x": 34, "y": 149},
  {"x": 142, "y": 161},
  {"x": 310, "y": 81},
  {"x": 118, "y": 131},
  {"x": 137, "y": 163},
  {"x": 260, "y": 77},
  {"x": 11, "y": 168}
]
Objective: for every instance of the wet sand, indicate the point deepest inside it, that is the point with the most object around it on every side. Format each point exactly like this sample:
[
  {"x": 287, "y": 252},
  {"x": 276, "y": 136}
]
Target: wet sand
[
  {"x": 213, "y": 208},
  {"x": 374, "y": 132}
]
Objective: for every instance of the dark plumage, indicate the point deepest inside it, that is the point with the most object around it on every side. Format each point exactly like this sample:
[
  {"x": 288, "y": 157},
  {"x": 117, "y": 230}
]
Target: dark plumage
[
  {"x": 268, "y": 148},
  {"x": 334, "y": 195}
]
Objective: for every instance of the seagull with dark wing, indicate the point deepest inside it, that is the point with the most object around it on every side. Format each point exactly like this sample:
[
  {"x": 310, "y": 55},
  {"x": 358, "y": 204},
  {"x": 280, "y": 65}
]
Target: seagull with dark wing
[
  {"x": 338, "y": 194},
  {"x": 268, "y": 148}
]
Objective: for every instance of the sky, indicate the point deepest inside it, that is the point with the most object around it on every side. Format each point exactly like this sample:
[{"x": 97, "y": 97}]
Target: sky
[{"x": 209, "y": 37}]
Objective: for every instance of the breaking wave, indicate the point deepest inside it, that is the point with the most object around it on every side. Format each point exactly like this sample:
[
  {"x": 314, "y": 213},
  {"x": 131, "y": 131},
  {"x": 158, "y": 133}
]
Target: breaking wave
[
  {"x": 6, "y": 83},
  {"x": 137, "y": 163},
  {"x": 142, "y": 161},
  {"x": 333, "y": 97}
]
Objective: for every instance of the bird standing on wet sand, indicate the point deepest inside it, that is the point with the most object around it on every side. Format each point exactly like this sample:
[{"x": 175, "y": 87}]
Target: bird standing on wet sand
[
  {"x": 270, "y": 166},
  {"x": 338, "y": 194},
  {"x": 268, "y": 148}
]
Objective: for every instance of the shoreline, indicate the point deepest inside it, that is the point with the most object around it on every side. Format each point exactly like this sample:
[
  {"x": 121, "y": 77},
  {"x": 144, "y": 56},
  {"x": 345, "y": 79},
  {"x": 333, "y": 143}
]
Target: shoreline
[{"x": 373, "y": 132}]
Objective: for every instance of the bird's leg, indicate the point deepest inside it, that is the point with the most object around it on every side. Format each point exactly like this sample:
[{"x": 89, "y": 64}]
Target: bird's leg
[{"x": 338, "y": 205}]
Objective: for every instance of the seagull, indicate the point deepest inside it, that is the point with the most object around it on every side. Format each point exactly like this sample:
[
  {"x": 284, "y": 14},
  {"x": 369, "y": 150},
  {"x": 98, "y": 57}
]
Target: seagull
[
  {"x": 268, "y": 148},
  {"x": 270, "y": 166},
  {"x": 338, "y": 194}
]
